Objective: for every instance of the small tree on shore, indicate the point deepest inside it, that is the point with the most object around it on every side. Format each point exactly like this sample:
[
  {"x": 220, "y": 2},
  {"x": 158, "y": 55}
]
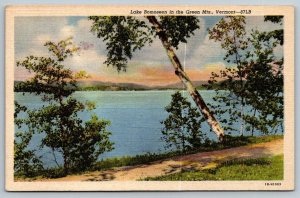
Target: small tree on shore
[
  {"x": 182, "y": 128},
  {"x": 80, "y": 143}
]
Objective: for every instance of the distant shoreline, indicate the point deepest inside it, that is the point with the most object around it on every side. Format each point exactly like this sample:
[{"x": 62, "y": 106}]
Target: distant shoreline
[
  {"x": 87, "y": 90},
  {"x": 107, "y": 86}
]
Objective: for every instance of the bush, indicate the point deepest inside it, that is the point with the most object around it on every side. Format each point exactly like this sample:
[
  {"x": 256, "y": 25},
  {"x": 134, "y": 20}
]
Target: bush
[{"x": 26, "y": 163}]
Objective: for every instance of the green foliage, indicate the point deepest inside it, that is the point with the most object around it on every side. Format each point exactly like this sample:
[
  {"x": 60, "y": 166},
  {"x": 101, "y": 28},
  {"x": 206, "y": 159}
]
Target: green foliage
[
  {"x": 276, "y": 34},
  {"x": 124, "y": 35},
  {"x": 179, "y": 28},
  {"x": 269, "y": 168},
  {"x": 182, "y": 128},
  {"x": 230, "y": 31},
  {"x": 80, "y": 143},
  {"x": 90, "y": 105},
  {"x": 56, "y": 172},
  {"x": 254, "y": 84},
  {"x": 62, "y": 49},
  {"x": 81, "y": 75},
  {"x": 26, "y": 163},
  {"x": 265, "y": 80},
  {"x": 274, "y": 19}
]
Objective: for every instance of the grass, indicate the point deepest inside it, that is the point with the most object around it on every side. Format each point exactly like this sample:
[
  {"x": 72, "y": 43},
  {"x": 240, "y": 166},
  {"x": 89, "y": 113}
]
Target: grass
[
  {"x": 261, "y": 139},
  {"x": 132, "y": 160},
  {"x": 229, "y": 142},
  {"x": 270, "y": 168}
]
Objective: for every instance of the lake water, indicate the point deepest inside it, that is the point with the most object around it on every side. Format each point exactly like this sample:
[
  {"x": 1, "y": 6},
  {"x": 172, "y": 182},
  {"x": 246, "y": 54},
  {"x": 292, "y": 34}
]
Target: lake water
[{"x": 135, "y": 118}]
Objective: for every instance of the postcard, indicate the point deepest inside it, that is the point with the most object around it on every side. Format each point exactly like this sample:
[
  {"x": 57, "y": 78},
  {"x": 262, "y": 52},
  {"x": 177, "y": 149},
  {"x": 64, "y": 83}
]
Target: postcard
[{"x": 149, "y": 98}]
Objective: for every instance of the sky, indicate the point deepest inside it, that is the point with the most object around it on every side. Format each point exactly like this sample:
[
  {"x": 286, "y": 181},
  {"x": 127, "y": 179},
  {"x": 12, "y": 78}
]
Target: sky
[{"x": 149, "y": 66}]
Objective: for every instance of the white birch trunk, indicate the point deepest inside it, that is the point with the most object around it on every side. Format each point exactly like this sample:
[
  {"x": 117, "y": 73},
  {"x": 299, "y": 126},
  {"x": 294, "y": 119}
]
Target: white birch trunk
[{"x": 215, "y": 126}]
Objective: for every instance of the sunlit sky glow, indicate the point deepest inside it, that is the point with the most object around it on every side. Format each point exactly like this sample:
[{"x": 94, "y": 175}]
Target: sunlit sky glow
[{"x": 150, "y": 66}]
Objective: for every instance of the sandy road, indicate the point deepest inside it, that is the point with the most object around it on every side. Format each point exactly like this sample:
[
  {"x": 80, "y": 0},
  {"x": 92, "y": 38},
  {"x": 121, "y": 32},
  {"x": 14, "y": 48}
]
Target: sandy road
[{"x": 198, "y": 161}]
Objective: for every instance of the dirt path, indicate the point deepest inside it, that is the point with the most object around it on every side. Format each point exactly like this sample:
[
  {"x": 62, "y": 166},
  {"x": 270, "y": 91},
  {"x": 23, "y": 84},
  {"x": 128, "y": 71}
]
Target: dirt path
[{"x": 196, "y": 161}]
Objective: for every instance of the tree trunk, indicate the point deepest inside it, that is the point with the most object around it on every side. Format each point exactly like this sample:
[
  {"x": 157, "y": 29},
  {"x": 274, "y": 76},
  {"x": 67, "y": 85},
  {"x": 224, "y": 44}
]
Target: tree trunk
[
  {"x": 252, "y": 131},
  {"x": 242, "y": 120},
  {"x": 215, "y": 126}
]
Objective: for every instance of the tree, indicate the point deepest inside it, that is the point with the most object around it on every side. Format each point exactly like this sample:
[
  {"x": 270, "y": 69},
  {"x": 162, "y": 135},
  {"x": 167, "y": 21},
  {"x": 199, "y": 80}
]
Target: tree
[
  {"x": 182, "y": 128},
  {"x": 80, "y": 143},
  {"x": 124, "y": 35},
  {"x": 265, "y": 78},
  {"x": 251, "y": 83},
  {"x": 230, "y": 32}
]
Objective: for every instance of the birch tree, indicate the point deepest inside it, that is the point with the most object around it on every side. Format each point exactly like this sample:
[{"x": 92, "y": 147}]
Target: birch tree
[
  {"x": 230, "y": 32},
  {"x": 124, "y": 35}
]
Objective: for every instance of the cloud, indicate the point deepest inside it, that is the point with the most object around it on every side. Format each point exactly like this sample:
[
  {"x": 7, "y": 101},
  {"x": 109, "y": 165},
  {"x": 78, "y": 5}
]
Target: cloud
[
  {"x": 155, "y": 54},
  {"x": 88, "y": 60},
  {"x": 208, "y": 51},
  {"x": 150, "y": 65},
  {"x": 31, "y": 31},
  {"x": 155, "y": 76},
  {"x": 258, "y": 23}
]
